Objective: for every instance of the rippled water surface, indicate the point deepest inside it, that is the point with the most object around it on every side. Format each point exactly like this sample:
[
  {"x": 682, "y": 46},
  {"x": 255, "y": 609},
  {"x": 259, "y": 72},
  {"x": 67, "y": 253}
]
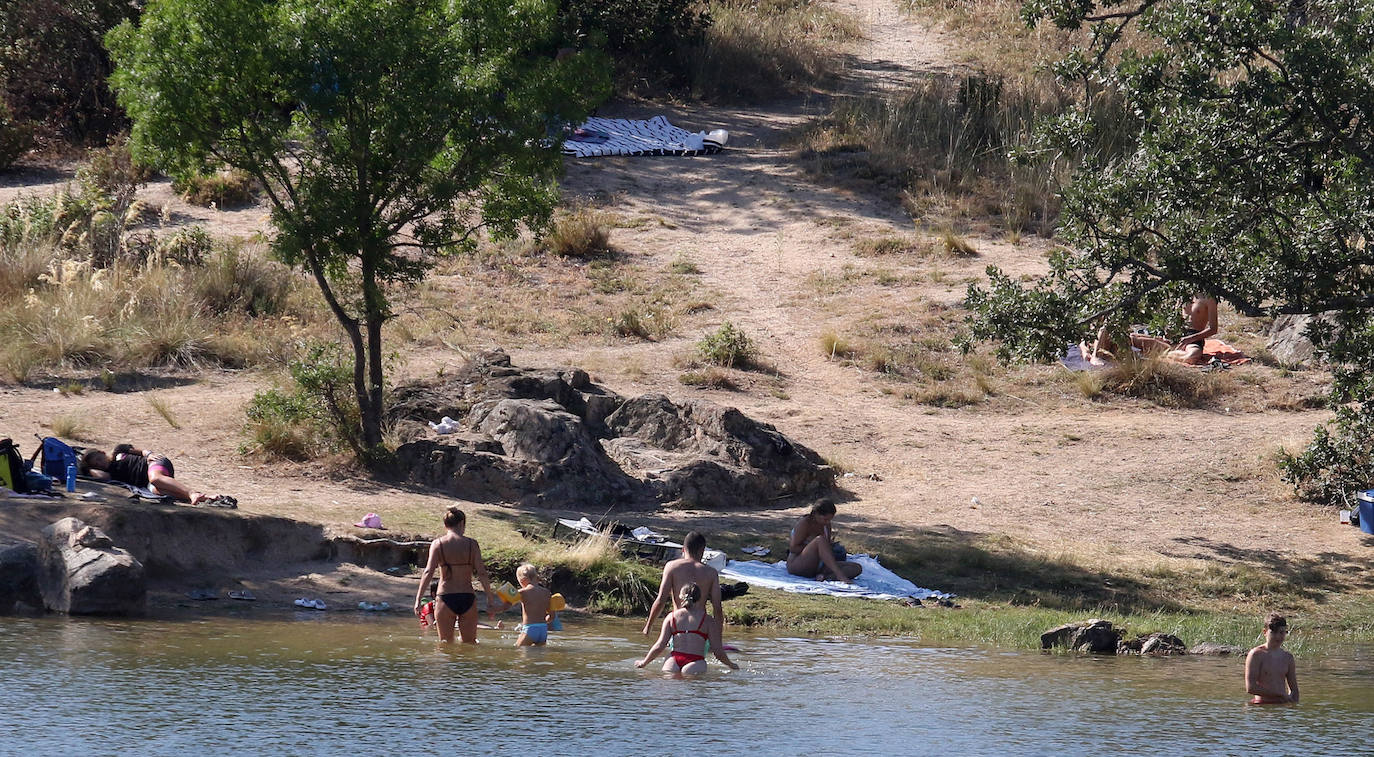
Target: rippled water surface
[{"x": 323, "y": 684}]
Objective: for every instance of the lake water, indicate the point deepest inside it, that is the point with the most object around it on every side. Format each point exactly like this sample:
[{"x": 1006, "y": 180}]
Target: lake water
[{"x": 330, "y": 684}]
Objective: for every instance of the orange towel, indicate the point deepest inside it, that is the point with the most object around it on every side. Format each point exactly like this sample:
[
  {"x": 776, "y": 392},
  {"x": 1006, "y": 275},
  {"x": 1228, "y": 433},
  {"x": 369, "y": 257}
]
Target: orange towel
[{"x": 1215, "y": 348}]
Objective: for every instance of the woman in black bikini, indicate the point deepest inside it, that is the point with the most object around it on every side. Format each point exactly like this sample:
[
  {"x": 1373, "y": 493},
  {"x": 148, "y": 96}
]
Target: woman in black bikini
[
  {"x": 810, "y": 551},
  {"x": 458, "y": 559}
]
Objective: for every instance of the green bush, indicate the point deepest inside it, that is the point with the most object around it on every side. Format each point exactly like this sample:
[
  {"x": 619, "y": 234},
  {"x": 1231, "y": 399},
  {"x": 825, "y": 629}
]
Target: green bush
[
  {"x": 728, "y": 347},
  {"x": 236, "y": 281},
  {"x": 318, "y": 414}
]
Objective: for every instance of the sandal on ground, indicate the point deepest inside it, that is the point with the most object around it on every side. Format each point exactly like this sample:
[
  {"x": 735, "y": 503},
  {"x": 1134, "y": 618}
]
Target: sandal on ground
[{"x": 222, "y": 500}]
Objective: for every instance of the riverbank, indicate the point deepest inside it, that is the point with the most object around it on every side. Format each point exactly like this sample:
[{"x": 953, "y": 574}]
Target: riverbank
[{"x": 189, "y": 551}]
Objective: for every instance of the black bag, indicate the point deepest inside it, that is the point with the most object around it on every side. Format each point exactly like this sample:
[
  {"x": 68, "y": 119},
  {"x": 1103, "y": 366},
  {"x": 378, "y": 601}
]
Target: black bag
[{"x": 12, "y": 467}]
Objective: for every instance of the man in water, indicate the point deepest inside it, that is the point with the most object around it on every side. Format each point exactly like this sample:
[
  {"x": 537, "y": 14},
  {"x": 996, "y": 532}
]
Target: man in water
[
  {"x": 1271, "y": 676},
  {"x": 688, "y": 569}
]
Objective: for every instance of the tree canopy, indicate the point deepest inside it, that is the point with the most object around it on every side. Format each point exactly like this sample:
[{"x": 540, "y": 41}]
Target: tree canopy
[
  {"x": 1249, "y": 175},
  {"x": 385, "y": 132}
]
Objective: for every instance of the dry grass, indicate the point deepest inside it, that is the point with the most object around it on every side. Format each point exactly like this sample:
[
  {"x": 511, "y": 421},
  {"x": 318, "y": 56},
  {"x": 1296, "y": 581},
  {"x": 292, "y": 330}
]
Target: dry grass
[
  {"x": 759, "y": 50},
  {"x": 159, "y": 404},
  {"x": 70, "y": 426},
  {"x": 580, "y": 232}
]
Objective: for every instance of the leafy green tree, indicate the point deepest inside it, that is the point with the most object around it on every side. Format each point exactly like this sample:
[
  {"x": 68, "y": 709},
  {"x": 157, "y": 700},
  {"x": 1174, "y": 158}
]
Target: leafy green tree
[
  {"x": 1249, "y": 174},
  {"x": 386, "y": 132}
]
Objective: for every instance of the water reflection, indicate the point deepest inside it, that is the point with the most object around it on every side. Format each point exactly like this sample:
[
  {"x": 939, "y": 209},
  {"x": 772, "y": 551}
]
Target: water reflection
[{"x": 320, "y": 684}]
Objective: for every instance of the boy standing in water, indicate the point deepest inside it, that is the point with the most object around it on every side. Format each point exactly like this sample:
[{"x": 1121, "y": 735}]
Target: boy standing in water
[
  {"x": 1270, "y": 673},
  {"x": 534, "y": 608}
]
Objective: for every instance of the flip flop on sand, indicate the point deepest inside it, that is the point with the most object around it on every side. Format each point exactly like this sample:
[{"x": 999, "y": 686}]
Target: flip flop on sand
[
  {"x": 310, "y": 604},
  {"x": 202, "y": 594},
  {"x": 222, "y": 500},
  {"x": 243, "y": 595}
]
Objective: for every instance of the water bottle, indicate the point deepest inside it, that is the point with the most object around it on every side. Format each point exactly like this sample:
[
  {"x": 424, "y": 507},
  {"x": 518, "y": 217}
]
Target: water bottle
[{"x": 71, "y": 477}]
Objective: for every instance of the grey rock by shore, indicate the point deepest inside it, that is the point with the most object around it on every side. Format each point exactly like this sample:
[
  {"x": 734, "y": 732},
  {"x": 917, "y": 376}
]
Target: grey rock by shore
[{"x": 82, "y": 572}]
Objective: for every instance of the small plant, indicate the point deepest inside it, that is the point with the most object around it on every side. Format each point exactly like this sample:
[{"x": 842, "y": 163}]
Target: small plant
[
  {"x": 727, "y": 347},
  {"x": 582, "y": 232},
  {"x": 630, "y": 324},
  {"x": 684, "y": 267},
  {"x": 884, "y": 246},
  {"x": 709, "y": 378},
  {"x": 72, "y": 388},
  {"x": 835, "y": 346},
  {"x": 955, "y": 245},
  {"x": 160, "y": 405},
  {"x": 70, "y": 426},
  {"x": 230, "y": 188},
  {"x": 319, "y": 413}
]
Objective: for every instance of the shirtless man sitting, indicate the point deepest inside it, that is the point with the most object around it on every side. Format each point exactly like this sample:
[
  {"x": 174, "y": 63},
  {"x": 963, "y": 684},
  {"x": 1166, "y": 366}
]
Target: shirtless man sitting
[
  {"x": 688, "y": 569},
  {"x": 1271, "y": 676},
  {"x": 1200, "y": 319}
]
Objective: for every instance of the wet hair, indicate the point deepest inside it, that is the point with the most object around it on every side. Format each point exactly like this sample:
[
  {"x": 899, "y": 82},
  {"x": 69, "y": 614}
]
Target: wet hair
[
  {"x": 453, "y": 517},
  {"x": 695, "y": 544},
  {"x": 93, "y": 459},
  {"x": 1275, "y": 621},
  {"x": 527, "y": 572},
  {"x": 824, "y": 507},
  {"x": 690, "y": 595}
]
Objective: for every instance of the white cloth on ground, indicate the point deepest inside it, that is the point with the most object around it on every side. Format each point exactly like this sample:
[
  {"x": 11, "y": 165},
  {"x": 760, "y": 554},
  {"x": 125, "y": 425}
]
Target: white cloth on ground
[{"x": 876, "y": 582}]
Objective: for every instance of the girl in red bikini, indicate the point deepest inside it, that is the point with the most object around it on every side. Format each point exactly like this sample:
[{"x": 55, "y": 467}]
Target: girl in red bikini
[{"x": 688, "y": 629}]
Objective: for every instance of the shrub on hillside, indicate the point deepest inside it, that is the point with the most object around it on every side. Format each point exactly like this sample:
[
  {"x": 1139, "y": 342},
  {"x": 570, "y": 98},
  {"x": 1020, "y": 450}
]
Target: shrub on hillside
[
  {"x": 728, "y": 347},
  {"x": 226, "y": 189},
  {"x": 54, "y": 67}
]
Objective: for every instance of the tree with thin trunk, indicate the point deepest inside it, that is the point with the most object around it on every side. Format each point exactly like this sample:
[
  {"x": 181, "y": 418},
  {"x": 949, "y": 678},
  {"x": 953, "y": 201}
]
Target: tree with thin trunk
[{"x": 385, "y": 132}]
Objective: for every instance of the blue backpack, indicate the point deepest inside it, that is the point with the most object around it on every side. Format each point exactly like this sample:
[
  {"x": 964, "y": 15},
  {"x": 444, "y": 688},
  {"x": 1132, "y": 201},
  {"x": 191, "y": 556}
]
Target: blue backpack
[{"x": 57, "y": 455}]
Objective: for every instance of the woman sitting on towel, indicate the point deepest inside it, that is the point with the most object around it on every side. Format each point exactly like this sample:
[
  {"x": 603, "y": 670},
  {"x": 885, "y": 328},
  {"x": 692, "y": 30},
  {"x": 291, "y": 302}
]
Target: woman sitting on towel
[
  {"x": 146, "y": 469},
  {"x": 688, "y": 629},
  {"x": 812, "y": 553}
]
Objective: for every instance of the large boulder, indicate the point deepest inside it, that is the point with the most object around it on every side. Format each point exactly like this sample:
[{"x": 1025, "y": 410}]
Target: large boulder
[
  {"x": 1094, "y": 635},
  {"x": 553, "y": 437},
  {"x": 702, "y": 454},
  {"x": 82, "y": 572},
  {"x": 19, "y": 577},
  {"x": 1288, "y": 341}
]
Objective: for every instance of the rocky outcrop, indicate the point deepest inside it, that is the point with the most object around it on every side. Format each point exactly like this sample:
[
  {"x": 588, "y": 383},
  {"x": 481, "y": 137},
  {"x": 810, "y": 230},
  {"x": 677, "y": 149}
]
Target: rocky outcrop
[
  {"x": 19, "y": 577},
  {"x": 1094, "y": 635},
  {"x": 553, "y": 437},
  {"x": 1288, "y": 341},
  {"x": 82, "y": 572},
  {"x": 1153, "y": 644}
]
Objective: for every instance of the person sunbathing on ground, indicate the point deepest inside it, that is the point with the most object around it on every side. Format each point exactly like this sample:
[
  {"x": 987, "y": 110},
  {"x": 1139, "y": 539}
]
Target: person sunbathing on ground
[
  {"x": 688, "y": 569},
  {"x": 147, "y": 470},
  {"x": 811, "y": 551}
]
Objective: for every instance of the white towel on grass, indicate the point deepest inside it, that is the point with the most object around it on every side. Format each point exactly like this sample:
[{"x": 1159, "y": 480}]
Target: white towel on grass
[{"x": 876, "y": 582}]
